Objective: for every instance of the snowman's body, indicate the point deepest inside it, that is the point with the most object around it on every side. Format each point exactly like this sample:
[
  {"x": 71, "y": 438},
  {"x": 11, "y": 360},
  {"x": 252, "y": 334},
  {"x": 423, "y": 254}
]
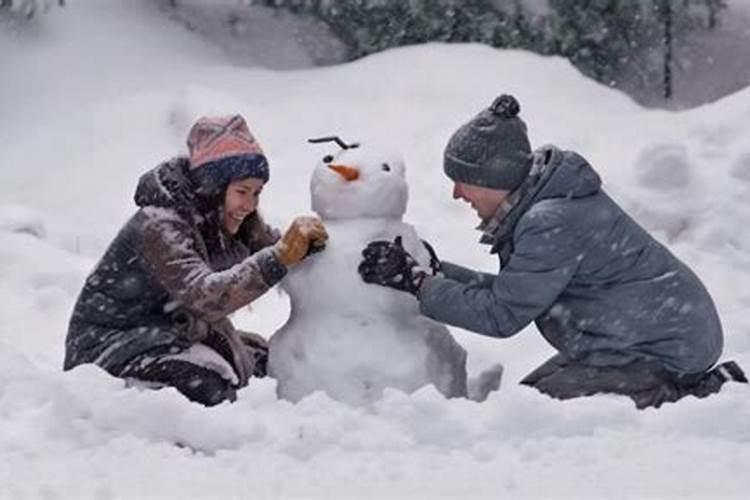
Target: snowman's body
[{"x": 348, "y": 338}]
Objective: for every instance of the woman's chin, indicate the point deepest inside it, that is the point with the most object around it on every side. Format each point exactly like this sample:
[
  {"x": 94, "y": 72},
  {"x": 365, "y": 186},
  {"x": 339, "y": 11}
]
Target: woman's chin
[{"x": 232, "y": 227}]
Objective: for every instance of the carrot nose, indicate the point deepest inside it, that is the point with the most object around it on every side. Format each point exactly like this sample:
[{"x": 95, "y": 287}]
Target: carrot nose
[{"x": 345, "y": 171}]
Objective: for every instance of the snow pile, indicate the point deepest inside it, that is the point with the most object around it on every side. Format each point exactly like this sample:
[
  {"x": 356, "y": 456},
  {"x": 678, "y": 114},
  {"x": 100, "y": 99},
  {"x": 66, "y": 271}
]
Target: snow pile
[{"x": 126, "y": 86}]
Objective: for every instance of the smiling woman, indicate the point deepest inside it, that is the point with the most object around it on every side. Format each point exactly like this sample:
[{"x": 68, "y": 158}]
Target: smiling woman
[
  {"x": 240, "y": 200},
  {"x": 156, "y": 307}
]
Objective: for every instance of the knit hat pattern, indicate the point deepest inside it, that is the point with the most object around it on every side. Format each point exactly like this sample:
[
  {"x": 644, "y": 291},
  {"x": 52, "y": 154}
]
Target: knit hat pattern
[
  {"x": 492, "y": 150},
  {"x": 223, "y": 150}
]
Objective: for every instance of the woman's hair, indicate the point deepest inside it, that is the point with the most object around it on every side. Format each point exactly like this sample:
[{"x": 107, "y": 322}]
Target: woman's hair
[{"x": 253, "y": 233}]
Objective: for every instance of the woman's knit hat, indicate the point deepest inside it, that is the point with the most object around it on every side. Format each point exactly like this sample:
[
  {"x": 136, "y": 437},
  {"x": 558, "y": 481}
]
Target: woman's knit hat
[
  {"x": 223, "y": 150},
  {"x": 492, "y": 150}
]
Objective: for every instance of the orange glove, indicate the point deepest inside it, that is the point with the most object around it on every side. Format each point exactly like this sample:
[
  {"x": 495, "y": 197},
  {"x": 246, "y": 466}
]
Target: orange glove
[{"x": 303, "y": 235}]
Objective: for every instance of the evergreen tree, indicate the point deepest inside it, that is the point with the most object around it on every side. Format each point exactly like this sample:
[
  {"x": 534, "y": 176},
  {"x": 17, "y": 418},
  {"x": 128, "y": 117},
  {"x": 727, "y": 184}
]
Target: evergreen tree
[
  {"x": 367, "y": 26},
  {"x": 27, "y": 8},
  {"x": 674, "y": 18},
  {"x": 602, "y": 38},
  {"x": 598, "y": 36},
  {"x": 713, "y": 8}
]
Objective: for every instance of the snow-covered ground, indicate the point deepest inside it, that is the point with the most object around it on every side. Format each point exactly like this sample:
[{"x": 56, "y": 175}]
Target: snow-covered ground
[{"x": 94, "y": 94}]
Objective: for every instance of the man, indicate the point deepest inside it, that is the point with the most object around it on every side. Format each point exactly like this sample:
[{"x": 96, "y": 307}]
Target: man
[{"x": 625, "y": 315}]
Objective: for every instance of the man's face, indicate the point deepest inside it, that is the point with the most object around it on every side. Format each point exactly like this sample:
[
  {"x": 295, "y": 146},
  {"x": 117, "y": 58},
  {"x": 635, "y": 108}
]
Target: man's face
[{"x": 485, "y": 201}]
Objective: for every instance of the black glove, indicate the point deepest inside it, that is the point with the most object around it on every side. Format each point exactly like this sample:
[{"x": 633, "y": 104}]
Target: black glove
[
  {"x": 435, "y": 263},
  {"x": 388, "y": 264}
]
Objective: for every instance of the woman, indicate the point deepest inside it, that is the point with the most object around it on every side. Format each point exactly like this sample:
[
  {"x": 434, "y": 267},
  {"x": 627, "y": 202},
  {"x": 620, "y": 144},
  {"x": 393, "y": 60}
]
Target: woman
[{"x": 156, "y": 306}]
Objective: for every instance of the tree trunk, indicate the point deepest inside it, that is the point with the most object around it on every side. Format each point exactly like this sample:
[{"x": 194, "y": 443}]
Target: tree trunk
[
  {"x": 667, "y": 19},
  {"x": 714, "y": 6}
]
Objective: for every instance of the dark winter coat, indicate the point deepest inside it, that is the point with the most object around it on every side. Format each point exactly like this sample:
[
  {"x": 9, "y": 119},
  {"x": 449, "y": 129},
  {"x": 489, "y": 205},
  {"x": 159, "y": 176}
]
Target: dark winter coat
[
  {"x": 600, "y": 289},
  {"x": 171, "y": 275}
]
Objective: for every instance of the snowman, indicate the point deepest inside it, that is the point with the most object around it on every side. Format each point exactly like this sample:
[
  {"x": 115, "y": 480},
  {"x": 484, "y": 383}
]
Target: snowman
[{"x": 345, "y": 337}]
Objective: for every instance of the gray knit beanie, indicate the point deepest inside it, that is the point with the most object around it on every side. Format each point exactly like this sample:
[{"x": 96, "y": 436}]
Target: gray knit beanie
[{"x": 492, "y": 150}]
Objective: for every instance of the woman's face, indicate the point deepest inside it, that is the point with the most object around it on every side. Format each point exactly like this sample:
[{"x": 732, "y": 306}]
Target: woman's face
[{"x": 240, "y": 200}]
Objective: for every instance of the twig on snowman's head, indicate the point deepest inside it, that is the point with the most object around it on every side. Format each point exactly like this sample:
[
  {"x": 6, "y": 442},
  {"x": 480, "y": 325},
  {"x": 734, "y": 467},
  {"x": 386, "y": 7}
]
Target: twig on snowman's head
[{"x": 336, "y": 139}]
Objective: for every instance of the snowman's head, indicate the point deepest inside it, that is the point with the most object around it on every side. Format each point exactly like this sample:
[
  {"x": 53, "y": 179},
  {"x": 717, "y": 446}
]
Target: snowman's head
[{"x": 365, "y": 182}]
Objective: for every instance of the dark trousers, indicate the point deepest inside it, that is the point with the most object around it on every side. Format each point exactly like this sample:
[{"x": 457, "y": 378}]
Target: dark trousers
[
  {"x": 646, "y": 382},
  {"x": 197, "y": 383}
]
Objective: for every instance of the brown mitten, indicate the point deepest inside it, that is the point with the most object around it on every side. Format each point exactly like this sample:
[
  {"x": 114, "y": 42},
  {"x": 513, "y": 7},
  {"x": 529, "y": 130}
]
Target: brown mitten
[{"x": 303, "y": 234}]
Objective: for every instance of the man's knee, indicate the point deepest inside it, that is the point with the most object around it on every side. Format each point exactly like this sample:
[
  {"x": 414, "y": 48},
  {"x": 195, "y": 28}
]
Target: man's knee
[
  {"x": 646, "y": 382},
  {"x": 566, "y": 379}
]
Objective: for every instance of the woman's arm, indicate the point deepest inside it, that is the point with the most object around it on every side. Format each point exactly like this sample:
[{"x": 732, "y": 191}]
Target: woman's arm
[{"x": 169, "y": 248}]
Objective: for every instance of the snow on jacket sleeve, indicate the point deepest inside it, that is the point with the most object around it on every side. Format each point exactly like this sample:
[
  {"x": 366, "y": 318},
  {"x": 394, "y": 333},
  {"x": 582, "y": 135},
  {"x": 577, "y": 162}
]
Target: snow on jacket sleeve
[
  {"x": 543, "y": 261},
  {"x": 169, "y": 247},
  {"x": 465, "y": 275}
]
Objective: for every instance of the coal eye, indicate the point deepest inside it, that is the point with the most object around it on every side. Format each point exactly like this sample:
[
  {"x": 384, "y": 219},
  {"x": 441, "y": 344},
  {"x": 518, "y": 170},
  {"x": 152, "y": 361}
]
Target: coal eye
[
  {"x": 327, "y": 159},
  {"x": 386, "y": 167}
]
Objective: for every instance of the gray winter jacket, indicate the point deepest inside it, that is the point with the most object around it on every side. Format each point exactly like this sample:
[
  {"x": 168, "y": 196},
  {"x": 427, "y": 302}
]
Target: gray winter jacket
[
  {"x": 171, "y": 275},
  {"x": 600, "y": 289}
]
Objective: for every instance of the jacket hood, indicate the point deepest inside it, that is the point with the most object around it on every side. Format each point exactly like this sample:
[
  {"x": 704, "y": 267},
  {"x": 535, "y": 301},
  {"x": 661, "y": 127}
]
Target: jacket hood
[
  {"x": 554, "y": 174},
  {"x": 569, "y": 175},
  {"x": 166, "y": 185}
]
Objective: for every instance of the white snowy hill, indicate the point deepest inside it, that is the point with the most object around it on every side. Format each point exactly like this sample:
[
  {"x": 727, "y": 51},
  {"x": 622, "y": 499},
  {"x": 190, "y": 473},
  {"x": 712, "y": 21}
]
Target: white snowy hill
[{"x": 98, "y": 92}]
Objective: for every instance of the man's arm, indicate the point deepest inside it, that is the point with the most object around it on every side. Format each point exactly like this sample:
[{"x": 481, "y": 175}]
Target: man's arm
[
  {"x": 169, "y": 249},
  {"x": 465, "y": 275},
  {"x": 544, "y": 260}
]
